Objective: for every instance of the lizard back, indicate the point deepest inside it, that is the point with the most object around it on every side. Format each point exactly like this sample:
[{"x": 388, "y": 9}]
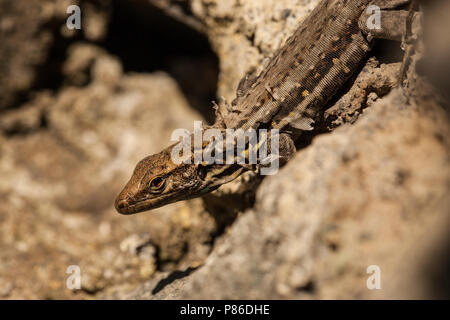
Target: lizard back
[{"x": 306, "y": 71}]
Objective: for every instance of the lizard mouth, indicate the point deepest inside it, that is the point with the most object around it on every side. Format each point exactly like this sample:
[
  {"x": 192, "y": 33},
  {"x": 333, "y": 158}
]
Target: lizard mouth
[
  {"x": 124, "y": 206},
  {"x": 140, "y": 206},
  {"x": 127, "y": 208}
]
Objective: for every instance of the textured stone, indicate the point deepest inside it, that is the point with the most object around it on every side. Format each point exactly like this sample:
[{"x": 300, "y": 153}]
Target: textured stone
[
  {"x": 364, "y": 195},
  {"x": 372, "y": 190}
]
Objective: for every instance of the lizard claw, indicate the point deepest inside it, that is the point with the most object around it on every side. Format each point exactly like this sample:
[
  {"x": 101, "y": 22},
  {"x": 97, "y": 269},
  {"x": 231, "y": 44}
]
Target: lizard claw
[
  {"x": 224, "y": 102},
  {"x": 220, "y": 121}
]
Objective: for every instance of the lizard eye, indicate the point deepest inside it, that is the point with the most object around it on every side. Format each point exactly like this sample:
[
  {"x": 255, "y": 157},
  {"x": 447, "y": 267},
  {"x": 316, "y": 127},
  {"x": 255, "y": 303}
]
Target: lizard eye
[{"x": 157, "y": 184}]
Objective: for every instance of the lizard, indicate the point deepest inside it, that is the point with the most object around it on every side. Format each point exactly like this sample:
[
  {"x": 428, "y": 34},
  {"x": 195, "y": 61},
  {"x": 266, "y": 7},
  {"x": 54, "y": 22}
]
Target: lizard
[{"x": 288, "y": 95}]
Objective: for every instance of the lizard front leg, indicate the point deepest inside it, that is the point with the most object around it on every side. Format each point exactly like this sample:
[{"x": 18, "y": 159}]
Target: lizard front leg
[{"x": 285, "y": 151}]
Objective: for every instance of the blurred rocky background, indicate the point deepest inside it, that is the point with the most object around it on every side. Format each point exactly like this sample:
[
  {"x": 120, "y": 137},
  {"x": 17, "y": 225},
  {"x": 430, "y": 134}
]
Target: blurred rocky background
[{"x": 79, "y": 108}]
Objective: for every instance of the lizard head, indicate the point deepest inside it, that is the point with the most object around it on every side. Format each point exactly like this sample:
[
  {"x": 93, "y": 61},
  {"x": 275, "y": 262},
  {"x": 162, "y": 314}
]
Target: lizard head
[{"x": 157, "y": 181}]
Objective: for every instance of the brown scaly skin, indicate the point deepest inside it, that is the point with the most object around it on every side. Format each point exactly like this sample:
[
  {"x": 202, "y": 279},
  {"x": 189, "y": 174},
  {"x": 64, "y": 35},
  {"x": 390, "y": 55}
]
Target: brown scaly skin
[
  {"x": 157, "y": 181},
  {"x": 154, "y": 182},
  {"x": 301, "y": 78}
]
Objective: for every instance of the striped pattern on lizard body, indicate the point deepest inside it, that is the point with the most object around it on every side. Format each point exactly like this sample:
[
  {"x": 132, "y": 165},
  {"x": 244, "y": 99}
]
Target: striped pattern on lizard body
[
  {"x": 307, "y": 71},
  {"x": 301, "y": 78}
]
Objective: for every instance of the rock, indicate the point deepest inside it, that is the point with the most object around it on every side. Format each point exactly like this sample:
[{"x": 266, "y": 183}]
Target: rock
[
  {"x": 244, "y": 33},
  {"x": 96, "y": 16},
  {"x": 28, "y": 32},
  {"x": 32, "y": 34},
  {"x": 58, "y": 184},
  {"x": 437, "y": 59},
  {"x": 369, "y": 189},
  {"x": 87, "y": 62},
  {"x": 361, "y": 196},
  {"x": 29, "y": 118},
  {"x": 107, "y": 123},
  {"x": 373, "y": 82},
  {"x": 6, "y": 287}
]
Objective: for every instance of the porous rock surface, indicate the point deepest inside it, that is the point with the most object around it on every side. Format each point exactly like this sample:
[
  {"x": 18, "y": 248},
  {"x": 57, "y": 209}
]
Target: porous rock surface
[{"x": 370, "y": 189}]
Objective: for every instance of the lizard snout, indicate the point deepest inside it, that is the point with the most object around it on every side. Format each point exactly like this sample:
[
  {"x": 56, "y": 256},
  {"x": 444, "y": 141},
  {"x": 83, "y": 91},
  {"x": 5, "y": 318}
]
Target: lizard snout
[
  {"x": 124, "y": 203},
  {"x": 126, "y": 198},
  {"x": 121, "y": 205}
]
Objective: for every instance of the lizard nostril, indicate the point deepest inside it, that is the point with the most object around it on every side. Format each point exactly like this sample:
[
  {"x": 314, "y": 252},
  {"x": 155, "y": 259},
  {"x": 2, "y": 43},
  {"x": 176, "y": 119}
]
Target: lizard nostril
[{"x": 121, "y": 204}]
